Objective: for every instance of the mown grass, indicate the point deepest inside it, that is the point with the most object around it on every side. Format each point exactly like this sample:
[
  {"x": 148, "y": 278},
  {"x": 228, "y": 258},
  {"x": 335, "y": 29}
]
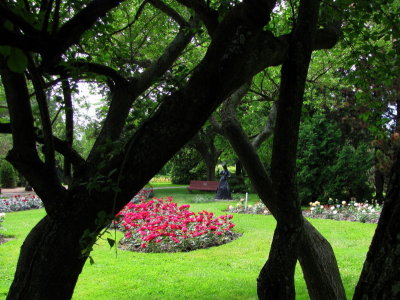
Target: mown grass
[{"x": 224, "y": 272}]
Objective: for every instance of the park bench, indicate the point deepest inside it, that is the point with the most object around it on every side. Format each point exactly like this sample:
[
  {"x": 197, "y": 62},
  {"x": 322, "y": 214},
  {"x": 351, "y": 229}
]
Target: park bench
[{"x": 203, "y": 185}]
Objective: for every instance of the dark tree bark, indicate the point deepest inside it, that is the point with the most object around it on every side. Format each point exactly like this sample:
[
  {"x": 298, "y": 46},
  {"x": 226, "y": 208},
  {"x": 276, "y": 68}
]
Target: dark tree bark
[
  {"x": 204, "y": 143},
  {"x": 380, "y": 275},
  {"x": 69, "y": 128},
  {"x": 379, "y": 177},
  {"x": 276, "y": 279}
]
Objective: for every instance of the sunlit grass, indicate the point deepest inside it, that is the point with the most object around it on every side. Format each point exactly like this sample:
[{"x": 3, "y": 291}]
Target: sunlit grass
[{"x": 224, "y": 272}]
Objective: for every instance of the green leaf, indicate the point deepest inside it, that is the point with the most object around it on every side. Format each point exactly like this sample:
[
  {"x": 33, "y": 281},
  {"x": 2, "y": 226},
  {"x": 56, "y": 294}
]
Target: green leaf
[
  {"x": 17, "y": 61},
  {"x": 111, "y": 242}
]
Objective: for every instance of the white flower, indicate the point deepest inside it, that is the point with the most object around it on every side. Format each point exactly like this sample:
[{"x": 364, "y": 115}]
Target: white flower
[
  {"x": 335, "y": 212},
  {"x": 343, "y": 202},
  {"x": 332, "y": 207},
  {"x": 322, "y": 206},
  {"x": 2, "y": 215},
  {"x": 312, "y": 208},
  {"x": 338, "y": 205},
  {"x": 356, "y": 204}
]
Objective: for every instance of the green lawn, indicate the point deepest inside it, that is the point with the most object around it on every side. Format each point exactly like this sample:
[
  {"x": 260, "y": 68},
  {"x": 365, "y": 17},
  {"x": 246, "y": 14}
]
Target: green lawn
[{"x": 225, "y": 272}]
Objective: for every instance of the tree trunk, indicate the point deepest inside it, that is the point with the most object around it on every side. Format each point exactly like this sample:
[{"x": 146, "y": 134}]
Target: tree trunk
[
  {"x": 276, "y": 278},
  {"x": 379, "y": 185},
  {"x": 319, "y": 265},
  {"x": 380, "y": 275},
  {"x": 210, "y": 165},
  {"x": 239, "y": 169},
  {"x": 51, "y": 254},
  {"x": 69, "y": 128}
]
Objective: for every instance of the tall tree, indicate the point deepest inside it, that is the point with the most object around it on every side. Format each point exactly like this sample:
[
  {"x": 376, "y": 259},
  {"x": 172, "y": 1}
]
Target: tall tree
[{"x": 55, "y": 251}]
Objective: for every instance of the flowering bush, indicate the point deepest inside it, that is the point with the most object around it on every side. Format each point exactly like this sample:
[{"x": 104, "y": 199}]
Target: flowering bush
[
  {"x": 20, "y": 202},
  {"x": 143, "y": 194},
  {"x": 352, "y": 211},
  {"x": 160, "y": 225},
  {"x": 258, "y": 208}
]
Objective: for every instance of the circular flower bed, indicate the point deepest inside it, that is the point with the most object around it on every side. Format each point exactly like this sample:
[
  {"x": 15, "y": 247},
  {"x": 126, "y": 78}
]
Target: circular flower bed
[{"x": 160, "y": 225}]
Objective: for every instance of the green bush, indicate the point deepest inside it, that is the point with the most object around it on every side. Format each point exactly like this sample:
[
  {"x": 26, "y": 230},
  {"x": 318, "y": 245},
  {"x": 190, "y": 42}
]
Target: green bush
[
  {"x": 8, "y": 175},
  {"x": 328, "y": 165},
  {"x": 187, "y": 165},
  {"x": 239, "y": 184}
]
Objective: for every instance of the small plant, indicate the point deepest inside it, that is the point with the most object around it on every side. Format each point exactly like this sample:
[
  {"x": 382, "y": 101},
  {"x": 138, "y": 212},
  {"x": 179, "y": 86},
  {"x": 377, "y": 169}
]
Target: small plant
[{"x": 160, "y": 225}]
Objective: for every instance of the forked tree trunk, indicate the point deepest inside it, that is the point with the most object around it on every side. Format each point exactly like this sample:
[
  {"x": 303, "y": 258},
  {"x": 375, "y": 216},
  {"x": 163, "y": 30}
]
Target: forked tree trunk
[{"x": 276, "y": 278}]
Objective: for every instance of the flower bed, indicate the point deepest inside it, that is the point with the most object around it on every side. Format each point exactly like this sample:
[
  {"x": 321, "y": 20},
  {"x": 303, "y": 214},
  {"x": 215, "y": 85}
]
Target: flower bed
[
  {"x": 352, "y": 211},
  {"x": 2, "y": 216},
  {"x": 160, "y": 225},
  {"x": 20, "y": 202}
]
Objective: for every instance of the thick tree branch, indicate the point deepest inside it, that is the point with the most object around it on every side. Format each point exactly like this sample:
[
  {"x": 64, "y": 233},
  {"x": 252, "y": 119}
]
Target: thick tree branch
[
  {"x": 24, "y": 155},
  {"x": 17, "y": 20},
  {"x": 88, "y": 67},
  {"x": 216, "y": 125},
  {"x": 60, "y": 146},
  {"x": 124, "y": 95},
  {"x": 14, "y": 39},
  {"x": 71, "y": 32},
  {"x": 268, "y": 129},
  {"x": 206, "y": 14},
  {"x": 45, "y": 117}
]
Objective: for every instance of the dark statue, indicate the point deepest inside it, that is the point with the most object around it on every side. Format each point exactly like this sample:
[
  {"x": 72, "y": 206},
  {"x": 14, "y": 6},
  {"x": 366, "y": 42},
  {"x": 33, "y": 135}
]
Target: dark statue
[{"x": 223, "y": 191}]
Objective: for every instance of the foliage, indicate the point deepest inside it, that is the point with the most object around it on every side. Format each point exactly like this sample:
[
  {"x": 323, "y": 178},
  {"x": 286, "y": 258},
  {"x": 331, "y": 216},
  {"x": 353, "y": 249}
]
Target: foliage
[
  {"x": 20, "y": 202},
  {"x": 187, "y": 165},
  {"x": 159, "y": 225},
  {"x": 329, "y": 165},
  {"x": 8, "y": 175}
]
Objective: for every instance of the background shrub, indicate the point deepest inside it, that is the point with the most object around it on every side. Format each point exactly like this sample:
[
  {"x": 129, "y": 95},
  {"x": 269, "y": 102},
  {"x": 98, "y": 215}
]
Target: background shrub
[
  {"x": 330, "y": 165},
  {"x": 8, "y": 175},
  {"x": 187, "y": 165}
]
